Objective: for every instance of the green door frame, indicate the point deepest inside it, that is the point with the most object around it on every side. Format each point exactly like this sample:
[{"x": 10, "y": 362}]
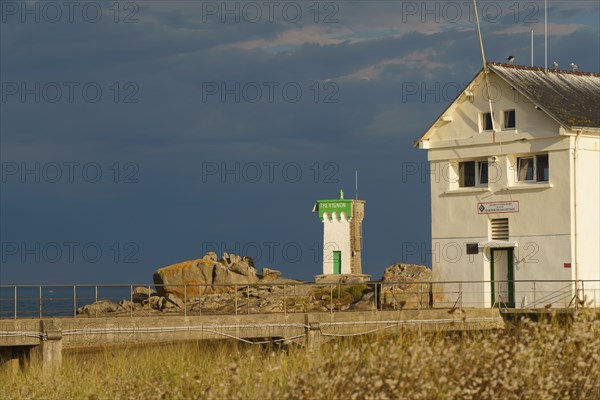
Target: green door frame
[
  {"x": 337, "y": 262},
  {"x": 511, "y": 277}
]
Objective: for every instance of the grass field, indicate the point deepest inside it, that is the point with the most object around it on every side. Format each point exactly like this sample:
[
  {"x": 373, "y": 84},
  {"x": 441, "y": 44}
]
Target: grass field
[{"x": 543, "y": 360}]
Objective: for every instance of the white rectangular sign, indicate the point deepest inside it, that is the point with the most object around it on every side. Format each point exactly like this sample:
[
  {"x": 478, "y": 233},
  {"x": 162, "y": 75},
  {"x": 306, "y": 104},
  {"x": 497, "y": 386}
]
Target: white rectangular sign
[{"x": 498, "y": 207}]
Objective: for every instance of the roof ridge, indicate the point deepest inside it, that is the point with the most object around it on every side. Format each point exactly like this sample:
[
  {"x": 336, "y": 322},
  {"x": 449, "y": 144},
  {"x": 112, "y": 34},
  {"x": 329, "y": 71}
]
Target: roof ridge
[{"x": 541, "y": 69}]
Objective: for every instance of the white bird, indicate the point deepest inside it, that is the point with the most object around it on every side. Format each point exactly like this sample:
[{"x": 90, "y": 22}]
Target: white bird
[
  {"x": 510, "y": 59},
  {"x": 574, "y": 67},
  {"x": 555, "y": 65}
]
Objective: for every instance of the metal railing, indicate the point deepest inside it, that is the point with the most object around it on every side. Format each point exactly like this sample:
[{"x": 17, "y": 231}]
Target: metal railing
[{"x": 129, "y": 300}]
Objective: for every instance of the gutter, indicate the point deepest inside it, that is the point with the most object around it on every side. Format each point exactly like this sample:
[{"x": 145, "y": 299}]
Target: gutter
[{"x": 575, "y": 258}]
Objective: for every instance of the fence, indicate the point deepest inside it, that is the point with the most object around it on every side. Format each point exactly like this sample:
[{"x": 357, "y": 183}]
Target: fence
[{"x": 85, "y": 301}]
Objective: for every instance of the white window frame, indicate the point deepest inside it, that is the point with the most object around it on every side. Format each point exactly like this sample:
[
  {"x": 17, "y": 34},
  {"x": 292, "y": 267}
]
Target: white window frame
[
  {"x": 482, "y": 121},
  {"x": 534, "y": 158},
  {"x": 477, "y": 171},
  {"x": 505, "y": 120}
]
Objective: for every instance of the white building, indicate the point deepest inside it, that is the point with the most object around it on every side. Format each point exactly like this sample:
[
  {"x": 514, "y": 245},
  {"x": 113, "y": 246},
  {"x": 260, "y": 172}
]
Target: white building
[
  {"x": 516, "y": 198},
  {"x": 342, "y": 239}
]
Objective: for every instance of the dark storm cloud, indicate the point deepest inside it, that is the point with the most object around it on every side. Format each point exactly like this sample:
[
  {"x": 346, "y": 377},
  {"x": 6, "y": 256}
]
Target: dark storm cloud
[{"x": 175, "y": 129}]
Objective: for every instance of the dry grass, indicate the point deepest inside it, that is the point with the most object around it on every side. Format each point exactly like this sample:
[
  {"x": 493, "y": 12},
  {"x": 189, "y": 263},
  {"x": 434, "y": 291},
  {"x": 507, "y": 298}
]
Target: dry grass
[{"x": 534, "y": 361}]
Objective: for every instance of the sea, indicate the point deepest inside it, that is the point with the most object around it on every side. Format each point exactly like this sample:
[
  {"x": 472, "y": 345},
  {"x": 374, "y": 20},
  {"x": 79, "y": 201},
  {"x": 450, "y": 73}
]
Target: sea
[{"x": 55, "y": 301}]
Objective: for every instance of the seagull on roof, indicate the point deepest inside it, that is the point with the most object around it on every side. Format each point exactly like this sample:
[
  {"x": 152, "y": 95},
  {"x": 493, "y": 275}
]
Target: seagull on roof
[
  {"x": 555, "y": 65},
  {"x": 574, "y": 67},
  {"x": 510, "y": 59}
]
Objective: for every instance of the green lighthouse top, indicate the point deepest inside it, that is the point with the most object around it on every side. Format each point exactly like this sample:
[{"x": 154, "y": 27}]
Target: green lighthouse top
[{"x": 337, "y": 206}]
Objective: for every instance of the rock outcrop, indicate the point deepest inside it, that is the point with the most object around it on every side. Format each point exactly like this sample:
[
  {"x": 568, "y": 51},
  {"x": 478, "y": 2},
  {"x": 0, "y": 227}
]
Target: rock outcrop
[
  {"x": 100, "y": 307},
  {"x": 269, "y": 275},
  {"x": 207, "y": 286},
  {"x": 405, "y": 286},
  {"x": 139, "y": 294},
  {"x": 206, "y": 275}
]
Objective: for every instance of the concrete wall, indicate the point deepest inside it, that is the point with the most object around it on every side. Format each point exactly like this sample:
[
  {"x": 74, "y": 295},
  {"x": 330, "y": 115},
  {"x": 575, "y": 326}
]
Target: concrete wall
[{"x": 311, "y": 329}]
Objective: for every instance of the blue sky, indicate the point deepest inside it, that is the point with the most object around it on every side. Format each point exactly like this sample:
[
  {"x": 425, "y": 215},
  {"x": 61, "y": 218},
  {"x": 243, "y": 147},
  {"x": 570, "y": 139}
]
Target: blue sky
[{"x": 140, "y": 135}]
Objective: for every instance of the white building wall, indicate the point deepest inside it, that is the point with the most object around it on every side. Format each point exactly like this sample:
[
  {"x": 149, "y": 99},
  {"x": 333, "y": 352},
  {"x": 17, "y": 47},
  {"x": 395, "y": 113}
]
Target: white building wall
[
  {"x": 587, "y": 205},
  {"x": 336, "y": 237},
  {"x": 540, "y": 230}
]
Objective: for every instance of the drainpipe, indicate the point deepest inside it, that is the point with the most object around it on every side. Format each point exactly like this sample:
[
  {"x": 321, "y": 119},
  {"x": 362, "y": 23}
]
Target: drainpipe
[{"x": 575, "y": 261}]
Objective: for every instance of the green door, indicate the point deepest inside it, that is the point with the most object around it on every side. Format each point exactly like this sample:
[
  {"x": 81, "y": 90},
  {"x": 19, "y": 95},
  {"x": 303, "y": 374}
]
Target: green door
[
  {"x": 503, "y": 285},
  {"x": 337, "y": 262}
]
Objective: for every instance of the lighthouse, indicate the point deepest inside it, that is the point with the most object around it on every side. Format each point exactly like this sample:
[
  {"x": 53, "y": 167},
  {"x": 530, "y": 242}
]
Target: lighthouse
[{"x": 342, "y": 239}]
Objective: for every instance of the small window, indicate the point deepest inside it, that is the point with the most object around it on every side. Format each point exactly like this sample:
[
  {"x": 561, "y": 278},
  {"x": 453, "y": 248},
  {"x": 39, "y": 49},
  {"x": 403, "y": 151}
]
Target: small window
[
  {"x": 510, "y": 121},
  {"x": 486, "y": 122},
  {"x": 533, "y": 168},
  {"x": 473, "y": 173}
]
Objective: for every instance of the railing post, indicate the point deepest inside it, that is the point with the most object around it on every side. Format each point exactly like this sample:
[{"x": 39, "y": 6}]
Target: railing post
[
  {"x": 74, "y": 301},
  {"x": 15, "y": 303},
  {"x": 284, "y": 299},
  {"x": 95, "y": 301},
  {"x": 185, "y": 300},
  {"x": 130, "y": 301},
  {"x": 40, "y": 302},
  {"x": 460, "y": 294},
  {"x": 331, "y": 298},
  {"x": 235, "y": 301},
  {"x": 379, "y": 304},
  {"x": 534, "y": 299},
  {"x": 248, "y": 299},
  {"x": 375, "y": 296},
  {"x": 148, "y": 296}
]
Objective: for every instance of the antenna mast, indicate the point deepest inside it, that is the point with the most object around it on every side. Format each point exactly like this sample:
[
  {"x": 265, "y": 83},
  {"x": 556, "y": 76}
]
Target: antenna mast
[
  {"x": 485, "y": 72},
  {"x": 532, "y": 47},
  {"x": 546, "y": 35}
]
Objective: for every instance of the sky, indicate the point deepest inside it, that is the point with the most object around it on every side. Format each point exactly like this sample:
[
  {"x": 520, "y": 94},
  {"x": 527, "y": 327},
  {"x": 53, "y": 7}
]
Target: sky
[{"x": 138, "y": 134}]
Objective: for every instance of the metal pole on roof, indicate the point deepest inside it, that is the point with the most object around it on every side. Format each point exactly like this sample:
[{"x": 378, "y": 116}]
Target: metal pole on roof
[
  {"x": 532, "y": 47},
  {"x": 546, "y": 35},
  {"x": 485, "y": 72}
]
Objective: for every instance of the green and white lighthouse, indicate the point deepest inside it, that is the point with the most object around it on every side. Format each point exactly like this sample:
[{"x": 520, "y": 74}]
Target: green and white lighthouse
[{"x": 342, "y": 238}]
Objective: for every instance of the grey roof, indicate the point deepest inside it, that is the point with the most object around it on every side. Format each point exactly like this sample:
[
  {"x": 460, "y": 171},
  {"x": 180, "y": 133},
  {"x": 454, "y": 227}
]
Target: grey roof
[{"x": 571, "y": 98}]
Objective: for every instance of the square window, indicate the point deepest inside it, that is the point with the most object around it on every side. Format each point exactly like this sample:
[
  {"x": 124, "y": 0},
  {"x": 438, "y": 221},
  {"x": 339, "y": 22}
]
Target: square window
[
  {"x": 533, "y": 168},
  {"x": 510, "y": 120},
  {"x": 486, "y": 122},
  {"x": 472, "y": 173}
]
